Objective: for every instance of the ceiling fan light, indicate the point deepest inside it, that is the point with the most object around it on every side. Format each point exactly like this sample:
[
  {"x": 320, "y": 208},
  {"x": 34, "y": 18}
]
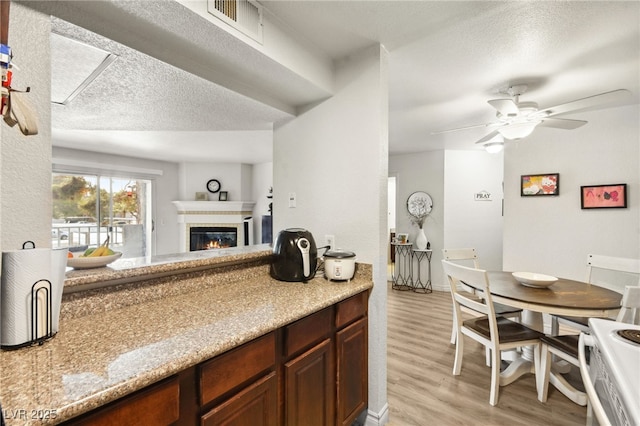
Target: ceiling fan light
[
  {"x": 518, "y": 130},
  {"x": 494, "y": 147}
]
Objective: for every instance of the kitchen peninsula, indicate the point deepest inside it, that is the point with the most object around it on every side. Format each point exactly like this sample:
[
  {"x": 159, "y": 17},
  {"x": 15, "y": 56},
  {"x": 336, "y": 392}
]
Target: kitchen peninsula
[{"x": 193, "y": 338}]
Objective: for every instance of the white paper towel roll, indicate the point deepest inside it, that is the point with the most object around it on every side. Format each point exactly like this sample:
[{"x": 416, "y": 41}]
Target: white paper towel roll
[
  {"x": 21, "y": 269},
  {"x": 58, "y": 269}
]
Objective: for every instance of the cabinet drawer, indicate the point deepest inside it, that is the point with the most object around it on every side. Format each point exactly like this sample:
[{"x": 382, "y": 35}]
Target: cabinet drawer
[
  {"x": 233, "y": 368},
  {"x": 156, "y": 405},
  {"x": 351, "y": 309},
  {"x": 256, "y": 405},
  {"x": 303, "y": 333}
]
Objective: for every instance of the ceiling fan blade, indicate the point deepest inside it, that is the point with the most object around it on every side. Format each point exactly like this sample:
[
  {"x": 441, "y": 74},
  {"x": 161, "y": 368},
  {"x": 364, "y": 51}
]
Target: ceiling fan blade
[
  {"x": 506, "y": 107},
  {"x": 488, "y": 137},
  {"x": 562, "y": 123},
  {"x": 474, "y": 126},
  {"x": 590, "y": 101}
]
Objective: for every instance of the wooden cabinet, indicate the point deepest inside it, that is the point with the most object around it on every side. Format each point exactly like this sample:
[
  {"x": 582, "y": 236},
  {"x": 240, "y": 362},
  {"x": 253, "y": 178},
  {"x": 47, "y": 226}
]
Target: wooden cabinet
[
  {"x": 307, "y": 373},
  {"x": 327, "y": 384},
  {"x": 352, "y": 369},
  {"x": 309, "y": 387},
  {"x": 155, "y": 405},
  {"x": 243, "y": 385},
  {"x": 308, "y": 370},
  {"x": 352, "y": 365},
  {"x": 256, "y": 405}
]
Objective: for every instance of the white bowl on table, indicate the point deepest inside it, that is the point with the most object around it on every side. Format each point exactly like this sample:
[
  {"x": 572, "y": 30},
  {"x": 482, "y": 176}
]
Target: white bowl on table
[
  {"x": 92, "y": 262},
  {"x": 533, "y": 279}
]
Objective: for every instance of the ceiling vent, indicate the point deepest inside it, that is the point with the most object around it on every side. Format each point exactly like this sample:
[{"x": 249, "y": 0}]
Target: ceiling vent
[{"x": 243, "y": 15}]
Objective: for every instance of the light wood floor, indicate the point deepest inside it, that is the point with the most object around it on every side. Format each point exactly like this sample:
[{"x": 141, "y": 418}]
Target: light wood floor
[{"x": 422, "y": 389}]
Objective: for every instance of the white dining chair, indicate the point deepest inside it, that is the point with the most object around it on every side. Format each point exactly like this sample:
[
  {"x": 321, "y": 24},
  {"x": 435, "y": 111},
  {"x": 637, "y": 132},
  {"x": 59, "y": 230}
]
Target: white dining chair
[
  {"x": 495, "y": 332},
  {"x": 470, "y": 255},
  {"x": 620, "y": 268},
  {"x": 566, "y": 347}
]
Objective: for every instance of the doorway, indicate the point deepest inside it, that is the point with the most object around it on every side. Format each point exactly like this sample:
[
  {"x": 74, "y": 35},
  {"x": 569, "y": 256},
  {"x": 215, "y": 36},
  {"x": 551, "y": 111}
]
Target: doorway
[{"x": 391, "y": 222}]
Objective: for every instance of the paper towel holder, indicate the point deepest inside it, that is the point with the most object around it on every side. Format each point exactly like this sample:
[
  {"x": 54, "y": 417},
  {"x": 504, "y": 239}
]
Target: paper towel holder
[
  {"x": 39, "y": 322},
  {"x": 45, "y": 289}
]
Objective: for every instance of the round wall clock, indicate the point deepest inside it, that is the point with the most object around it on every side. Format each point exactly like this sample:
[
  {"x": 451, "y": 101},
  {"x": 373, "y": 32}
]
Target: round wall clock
[{"x": 213, "y": 186}]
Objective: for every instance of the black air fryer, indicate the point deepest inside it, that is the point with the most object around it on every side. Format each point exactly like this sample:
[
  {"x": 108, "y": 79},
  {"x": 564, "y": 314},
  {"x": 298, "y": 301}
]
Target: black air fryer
[{"x": 294, "y": 256}]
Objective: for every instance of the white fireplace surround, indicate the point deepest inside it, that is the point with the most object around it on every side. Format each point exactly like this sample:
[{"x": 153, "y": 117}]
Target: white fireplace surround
[{"x": 212, "y": 213}]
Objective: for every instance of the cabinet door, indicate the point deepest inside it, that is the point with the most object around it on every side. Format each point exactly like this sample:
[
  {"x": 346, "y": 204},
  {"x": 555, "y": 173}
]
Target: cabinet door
[
  {"x": 256, "y": 405},
  {"x": 309, "y": 391},
  {"x": 156, "y": 405},
  {"x": 352, "y": 366}
]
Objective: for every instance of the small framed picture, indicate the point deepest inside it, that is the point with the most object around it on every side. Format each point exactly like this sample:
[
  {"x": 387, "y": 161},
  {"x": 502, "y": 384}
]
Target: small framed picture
[
  {"x": 612, "y": 196},
  {"x": 202, "y": 196},
  {"x": 222, "y": 196},
  {"x": 536, "y": 185}
]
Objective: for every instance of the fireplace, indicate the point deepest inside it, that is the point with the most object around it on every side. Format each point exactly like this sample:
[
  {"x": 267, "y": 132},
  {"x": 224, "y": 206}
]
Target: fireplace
[
  {"x": 212, "y": 237},
  {"x": 226, "y": 223}
]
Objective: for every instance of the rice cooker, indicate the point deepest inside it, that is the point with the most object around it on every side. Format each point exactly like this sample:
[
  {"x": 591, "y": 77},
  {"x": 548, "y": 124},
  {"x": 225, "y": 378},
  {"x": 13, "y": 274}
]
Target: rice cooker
[{"x": 339, "y": 265}]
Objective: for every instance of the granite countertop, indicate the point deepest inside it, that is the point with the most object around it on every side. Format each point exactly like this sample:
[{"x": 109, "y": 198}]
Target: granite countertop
[
  {"x": 154, "y": 330},
  {"x": 131, "y": 269}
]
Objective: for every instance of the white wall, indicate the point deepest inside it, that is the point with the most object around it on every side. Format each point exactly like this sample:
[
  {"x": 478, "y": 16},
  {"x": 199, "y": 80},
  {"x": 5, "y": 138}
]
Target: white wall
[
  {"x": 334, "y": 157},
  {"x": 468, "y": 222},
  {"x": 233, "y": 178},
  {"x": 25, "y": 165},
  {"x": 553, "y": 235},
  {"x": 246, "y": 182},
  {"x": 262, "y": 181}
]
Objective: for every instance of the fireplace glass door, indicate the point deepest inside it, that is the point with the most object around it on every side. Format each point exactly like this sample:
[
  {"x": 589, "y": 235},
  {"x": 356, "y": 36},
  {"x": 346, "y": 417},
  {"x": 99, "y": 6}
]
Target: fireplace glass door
[{"x": 212, "y": 237}]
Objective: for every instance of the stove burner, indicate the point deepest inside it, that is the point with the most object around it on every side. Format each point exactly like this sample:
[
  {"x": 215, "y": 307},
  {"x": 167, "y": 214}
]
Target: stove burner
[{"x": 631, "y": 335}]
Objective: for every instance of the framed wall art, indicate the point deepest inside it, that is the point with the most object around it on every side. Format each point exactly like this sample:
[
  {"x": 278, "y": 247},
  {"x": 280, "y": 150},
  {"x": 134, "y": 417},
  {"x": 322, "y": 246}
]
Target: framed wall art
[
  {"x": 535, "y": 185},
  {"x": 202, "y": 196},
  {"x": 223, "y": 196},
  {"x": 612, "y": 196}
]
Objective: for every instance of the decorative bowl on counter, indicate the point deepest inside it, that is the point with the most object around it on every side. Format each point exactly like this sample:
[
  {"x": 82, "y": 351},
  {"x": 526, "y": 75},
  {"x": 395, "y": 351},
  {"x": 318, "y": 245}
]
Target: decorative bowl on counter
[
  {"x": 78, "y": 262},
  {"x": 533, "y": 279}
]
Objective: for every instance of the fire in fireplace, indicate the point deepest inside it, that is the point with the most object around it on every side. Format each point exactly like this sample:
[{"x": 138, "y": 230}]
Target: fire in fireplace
[{"x": 212, "y": 237}]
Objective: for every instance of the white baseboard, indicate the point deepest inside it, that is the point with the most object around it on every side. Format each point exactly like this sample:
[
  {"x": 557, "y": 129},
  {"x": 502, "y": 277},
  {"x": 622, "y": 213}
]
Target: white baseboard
[{"x": 378, "y": 419}]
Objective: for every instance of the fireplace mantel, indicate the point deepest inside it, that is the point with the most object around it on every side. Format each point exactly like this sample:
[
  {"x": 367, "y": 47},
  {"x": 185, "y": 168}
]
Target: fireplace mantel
[{"x": 214, "y": 206}]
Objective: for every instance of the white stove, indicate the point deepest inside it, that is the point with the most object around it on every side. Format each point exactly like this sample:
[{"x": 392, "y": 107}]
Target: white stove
[{"x": 614, "y": 371}]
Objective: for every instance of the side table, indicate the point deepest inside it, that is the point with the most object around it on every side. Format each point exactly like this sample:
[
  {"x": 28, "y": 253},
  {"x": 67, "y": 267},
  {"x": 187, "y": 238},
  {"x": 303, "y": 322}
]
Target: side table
[
  {"x": 402, "y": 265},
  {"x": 418, "y": 285}
]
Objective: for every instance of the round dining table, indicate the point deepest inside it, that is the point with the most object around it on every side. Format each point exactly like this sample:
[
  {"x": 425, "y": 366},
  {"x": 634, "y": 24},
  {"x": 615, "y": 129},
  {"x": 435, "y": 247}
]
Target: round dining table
[{"x": 563, "y": 297}]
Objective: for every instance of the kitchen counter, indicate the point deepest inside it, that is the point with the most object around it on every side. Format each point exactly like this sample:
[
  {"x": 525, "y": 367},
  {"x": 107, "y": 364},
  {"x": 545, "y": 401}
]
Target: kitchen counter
[
  {"x": 141, "y": 268},
  {"x": 117, "y": 339}
]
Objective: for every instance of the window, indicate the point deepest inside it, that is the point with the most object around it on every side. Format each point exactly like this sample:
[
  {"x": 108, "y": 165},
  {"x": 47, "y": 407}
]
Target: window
[{"x": 88, "y": 209}]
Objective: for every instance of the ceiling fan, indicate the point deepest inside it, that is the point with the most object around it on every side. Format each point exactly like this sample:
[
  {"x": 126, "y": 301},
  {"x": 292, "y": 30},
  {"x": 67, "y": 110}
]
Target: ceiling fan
[{"x": 517, "y": 120}]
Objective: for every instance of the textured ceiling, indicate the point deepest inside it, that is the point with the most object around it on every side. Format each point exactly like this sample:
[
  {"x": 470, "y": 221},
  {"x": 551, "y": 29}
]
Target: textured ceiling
[{"x": 446, "y": 60}]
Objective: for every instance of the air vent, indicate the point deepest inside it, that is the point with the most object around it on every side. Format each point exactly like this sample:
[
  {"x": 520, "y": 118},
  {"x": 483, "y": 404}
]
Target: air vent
[{"x": 243, "y": 15}]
